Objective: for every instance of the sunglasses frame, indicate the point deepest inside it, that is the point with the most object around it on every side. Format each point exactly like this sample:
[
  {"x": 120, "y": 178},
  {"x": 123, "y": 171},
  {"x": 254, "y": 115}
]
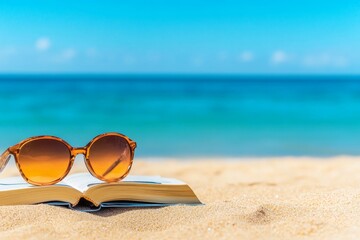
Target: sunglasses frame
[{"x": 74, "y": 151}]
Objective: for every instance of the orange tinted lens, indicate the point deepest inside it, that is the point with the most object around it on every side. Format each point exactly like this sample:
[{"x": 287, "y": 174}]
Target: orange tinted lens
[
  {"x": 110, "y": 157},
  {"x": 44, "y": 161}
]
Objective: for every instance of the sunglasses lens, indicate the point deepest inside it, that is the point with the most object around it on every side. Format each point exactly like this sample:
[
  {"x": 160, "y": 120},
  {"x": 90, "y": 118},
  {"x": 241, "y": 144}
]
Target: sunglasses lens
[
  {"x": 110, "y": 157},
  {"x": 44, "y": 161}
]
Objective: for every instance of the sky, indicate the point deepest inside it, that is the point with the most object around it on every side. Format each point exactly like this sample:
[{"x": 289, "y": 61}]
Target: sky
[{"x": 250, "y": 37}]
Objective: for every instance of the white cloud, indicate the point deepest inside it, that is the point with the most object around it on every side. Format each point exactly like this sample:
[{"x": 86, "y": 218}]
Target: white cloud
[
  {"x": 246, "y": 56},
  {"x": 42, "y": 44},
  {"x": 320, "y": 60},
  {"x": 68, "y": 54},
  {"x": 279, "y": 57}
]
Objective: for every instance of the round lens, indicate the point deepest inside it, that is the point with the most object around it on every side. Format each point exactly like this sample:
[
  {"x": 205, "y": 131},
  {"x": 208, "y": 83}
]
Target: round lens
[
  {"x": 44, "y": 161},
  {"x": 110, "y": 157}
]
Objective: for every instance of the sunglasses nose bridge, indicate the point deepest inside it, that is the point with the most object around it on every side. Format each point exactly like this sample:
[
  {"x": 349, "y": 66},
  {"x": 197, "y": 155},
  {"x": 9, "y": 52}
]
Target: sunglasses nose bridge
[{"x": 76, "y": 151}]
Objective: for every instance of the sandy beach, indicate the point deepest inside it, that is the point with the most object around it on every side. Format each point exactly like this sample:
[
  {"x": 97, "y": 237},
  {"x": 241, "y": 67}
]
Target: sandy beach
[{"x": 277, "y": 198}]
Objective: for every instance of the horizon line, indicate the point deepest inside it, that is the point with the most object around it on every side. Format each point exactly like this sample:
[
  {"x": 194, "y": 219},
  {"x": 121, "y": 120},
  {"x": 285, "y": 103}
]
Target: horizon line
[{"x": 178, "y": 74}]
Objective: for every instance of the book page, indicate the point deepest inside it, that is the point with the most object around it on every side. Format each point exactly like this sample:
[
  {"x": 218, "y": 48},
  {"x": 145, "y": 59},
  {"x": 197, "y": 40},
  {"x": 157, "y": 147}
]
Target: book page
[
  {"x": 14, "y": 183},
  {"x": 83, "y": 181}
]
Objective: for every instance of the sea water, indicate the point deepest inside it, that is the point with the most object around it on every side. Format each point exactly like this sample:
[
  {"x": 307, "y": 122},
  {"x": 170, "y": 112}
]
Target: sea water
[{"x": 188, "y": 115}]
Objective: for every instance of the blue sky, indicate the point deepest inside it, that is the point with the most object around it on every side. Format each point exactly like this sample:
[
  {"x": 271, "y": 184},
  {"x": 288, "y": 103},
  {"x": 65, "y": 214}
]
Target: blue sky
[{"x": 180, "y": 36}]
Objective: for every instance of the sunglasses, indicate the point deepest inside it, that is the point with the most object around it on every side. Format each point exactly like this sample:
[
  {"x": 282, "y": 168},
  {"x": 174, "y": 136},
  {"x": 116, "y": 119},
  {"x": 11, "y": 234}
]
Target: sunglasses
[{"x": 46, "y": 160}]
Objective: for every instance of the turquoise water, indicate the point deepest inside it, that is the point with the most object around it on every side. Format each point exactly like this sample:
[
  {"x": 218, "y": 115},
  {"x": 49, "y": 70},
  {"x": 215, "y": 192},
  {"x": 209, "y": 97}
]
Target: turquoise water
[{"x": 186, "y": 115}]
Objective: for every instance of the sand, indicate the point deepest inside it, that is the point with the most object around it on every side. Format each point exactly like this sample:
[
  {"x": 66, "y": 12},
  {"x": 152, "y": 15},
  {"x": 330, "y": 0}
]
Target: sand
[{"x": 279, "y": 198}]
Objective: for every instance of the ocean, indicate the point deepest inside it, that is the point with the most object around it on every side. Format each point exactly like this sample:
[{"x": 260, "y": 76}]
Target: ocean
[{"x": 188, "y": 115}]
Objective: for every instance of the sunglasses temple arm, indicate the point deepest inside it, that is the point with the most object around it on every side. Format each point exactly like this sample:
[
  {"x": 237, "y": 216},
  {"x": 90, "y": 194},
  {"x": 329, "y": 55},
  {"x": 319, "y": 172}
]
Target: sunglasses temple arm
[
  {"x": 112, "y": 167},
  {"x": 4, "y": 158}
]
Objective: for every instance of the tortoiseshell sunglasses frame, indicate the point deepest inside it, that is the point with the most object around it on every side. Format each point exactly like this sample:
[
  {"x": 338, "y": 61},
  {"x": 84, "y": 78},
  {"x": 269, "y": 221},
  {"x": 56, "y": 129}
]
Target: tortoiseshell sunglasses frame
[{"x": 14, "y": 151}]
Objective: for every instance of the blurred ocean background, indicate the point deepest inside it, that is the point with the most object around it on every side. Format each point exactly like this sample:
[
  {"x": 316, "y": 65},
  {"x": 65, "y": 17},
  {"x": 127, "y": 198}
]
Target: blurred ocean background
[
  {"x": 188, "y": 115},
  {"x": 184, "y": 78}
]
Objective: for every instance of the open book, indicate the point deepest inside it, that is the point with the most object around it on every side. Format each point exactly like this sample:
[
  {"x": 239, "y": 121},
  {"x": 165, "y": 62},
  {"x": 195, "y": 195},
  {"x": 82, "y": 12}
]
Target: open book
[{"x": 93, "y": 194}]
